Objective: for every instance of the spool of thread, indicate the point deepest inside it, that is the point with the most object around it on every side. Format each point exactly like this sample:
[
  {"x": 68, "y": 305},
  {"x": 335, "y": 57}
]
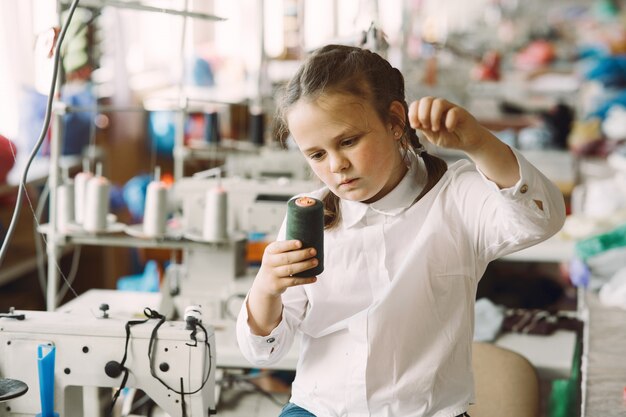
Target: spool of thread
[
  {"x": 212, "y": 128},
  {"x": 155, "y": 210},
  {"x": 215, "y": 215},
  {"x": 80, "y": 195},
  {"x": 305, "y": 222},
  {"x": 257, "y": 128},
  {"x": 65, "y": 205},
  {"x": 96, "y": 205}
]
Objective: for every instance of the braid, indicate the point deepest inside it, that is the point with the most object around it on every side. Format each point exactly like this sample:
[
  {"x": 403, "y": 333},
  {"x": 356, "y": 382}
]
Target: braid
[{"x": 332, "y": 214}]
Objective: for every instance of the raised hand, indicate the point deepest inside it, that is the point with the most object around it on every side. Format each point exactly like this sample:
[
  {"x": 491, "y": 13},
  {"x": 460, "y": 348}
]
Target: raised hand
[{"x": 445, "y": 124}]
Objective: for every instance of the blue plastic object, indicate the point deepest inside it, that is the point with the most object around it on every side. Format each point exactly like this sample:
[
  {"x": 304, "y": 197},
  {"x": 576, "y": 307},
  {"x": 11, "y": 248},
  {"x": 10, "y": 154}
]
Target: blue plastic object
[
  {"x": 134, "y": 194},
  {"x": 77, "y": 126},
  {"x": 45, "y": 365},
  {"x": 609, "y": 70},
  {"x": 162, "y": 131},
  {"x": 148, "y": 281},
  {"x": 200, "y": 73},
  {"x": 579, "y": 273}
]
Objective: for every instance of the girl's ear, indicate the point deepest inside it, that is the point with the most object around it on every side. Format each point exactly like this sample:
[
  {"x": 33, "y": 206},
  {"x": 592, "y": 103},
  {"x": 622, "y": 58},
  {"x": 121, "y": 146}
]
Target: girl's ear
[{"x": 397, "y": 116}]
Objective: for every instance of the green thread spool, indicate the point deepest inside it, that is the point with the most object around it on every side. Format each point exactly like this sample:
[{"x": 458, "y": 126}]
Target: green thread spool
[{"x": 305, "y": 222}]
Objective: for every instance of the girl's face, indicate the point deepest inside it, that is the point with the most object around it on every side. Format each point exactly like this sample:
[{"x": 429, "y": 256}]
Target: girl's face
[{"x": 348, "y": 146}]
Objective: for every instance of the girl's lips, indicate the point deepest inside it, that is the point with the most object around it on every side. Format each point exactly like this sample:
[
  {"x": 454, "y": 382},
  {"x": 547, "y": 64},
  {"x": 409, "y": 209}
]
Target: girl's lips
[{"x": 348, "y": 182}]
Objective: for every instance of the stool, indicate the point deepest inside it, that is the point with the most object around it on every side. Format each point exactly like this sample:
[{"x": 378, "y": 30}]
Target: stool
[{"x": 11, "y": 388}]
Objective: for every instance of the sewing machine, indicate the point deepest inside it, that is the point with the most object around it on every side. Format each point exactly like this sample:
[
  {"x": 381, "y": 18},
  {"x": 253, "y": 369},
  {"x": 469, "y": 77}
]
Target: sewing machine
[
  {"x": 210, "y": 274},
  {"x": 269, "y": 163},
  {"x": 87, "y": 348}
]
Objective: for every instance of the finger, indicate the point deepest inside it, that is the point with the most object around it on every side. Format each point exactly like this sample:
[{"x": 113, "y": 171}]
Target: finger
[
  {"x": 288, "y": 258},
  {"x": 437, "y": 113},
  {"x": 423, "y": 112},
  {"x": 295, "y": 268},
  {"x": 283, "y": 246},
  {"x": 452, "y": 119},
  {"x": 413, "y": 117},
  {"x": 294, "y": 282},
  {"x": 281, "y": 252}
]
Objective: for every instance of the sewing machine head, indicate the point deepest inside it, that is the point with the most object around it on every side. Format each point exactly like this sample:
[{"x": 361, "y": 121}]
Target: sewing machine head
[
  {"x": 269, "y": 163},
  {"x": 174, "y": 364},
  {"x": 254, "y": 205}
]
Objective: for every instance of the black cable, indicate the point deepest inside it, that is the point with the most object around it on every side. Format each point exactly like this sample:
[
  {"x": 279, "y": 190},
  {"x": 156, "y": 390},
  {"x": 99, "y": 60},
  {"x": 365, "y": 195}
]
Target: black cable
[
  {"x": 153, "y": 314},
  {"x": 182, "y": 398},
  {"x": 257, "y": 388},
  {"x": 118, "y": 392},
  {"x": 151, "y": 359},
  {"x": 127, "y": 326},
  {"x": 264, "y": 393},
  {"x": 22, "y": 185}
]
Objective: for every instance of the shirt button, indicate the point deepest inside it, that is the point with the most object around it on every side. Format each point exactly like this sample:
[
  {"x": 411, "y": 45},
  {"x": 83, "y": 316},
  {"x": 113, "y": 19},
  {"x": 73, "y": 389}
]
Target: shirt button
[
  {"x": 523, "y": 189},
  {"x": 270, "y": 340}
]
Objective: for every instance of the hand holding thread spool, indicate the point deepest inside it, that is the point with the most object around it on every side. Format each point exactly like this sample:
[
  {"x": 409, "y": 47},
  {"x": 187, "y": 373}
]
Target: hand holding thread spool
[{"x": 305, "y": 222}]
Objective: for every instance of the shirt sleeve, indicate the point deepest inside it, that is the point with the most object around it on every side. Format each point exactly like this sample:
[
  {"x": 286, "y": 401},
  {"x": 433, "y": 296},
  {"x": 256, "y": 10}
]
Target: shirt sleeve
[
  {"x": 506, "y": 220},
  {"x": 263, "y": 350},
  {"x": 268, "y": 350}
]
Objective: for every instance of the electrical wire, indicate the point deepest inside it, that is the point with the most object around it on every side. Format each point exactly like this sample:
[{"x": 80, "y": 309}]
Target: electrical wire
[
  {"x": 153, "y": 314},
  {"x": 40, "y": 256},
  {"x": 71, "y": 276},
  {"x": 38, "y": 237},
  {"x": 153, "y": 337},
  {"x": 264, "y": 392},
  {"x": 42, "y": 135},
  {"x": 228, "y": 379}
]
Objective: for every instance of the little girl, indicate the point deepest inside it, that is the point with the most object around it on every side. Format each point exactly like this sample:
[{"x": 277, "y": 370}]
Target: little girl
[{"x": 387, "y": 328}]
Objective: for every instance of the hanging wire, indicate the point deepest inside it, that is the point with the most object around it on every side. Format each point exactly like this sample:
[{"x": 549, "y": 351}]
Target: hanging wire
[{"x": 22, "y": 185}]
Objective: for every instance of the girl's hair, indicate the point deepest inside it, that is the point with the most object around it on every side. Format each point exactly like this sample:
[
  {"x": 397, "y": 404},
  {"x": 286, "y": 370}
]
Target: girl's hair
[{"x": 365, "y": 74}]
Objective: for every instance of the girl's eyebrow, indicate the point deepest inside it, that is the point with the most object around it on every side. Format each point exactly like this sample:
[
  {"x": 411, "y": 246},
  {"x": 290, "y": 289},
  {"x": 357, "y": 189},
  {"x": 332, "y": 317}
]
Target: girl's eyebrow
[{"x": 341, "y": 135}]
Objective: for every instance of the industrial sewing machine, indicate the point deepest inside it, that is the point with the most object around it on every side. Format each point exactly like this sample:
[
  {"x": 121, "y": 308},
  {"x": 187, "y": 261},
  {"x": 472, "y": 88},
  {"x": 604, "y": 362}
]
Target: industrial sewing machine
[
  {"x": 174, "y": 365},
  {"x": 211, "y": 274},
  {"x": 269, "y": 163}
]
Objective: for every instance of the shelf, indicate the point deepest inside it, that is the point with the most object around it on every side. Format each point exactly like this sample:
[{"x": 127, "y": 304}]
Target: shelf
[
  {"x": 199, "y": 149},
  {"x": 197, "y": 99},
  {"x": 127, "y": 241},
  {"x": 132, "y": 5}
]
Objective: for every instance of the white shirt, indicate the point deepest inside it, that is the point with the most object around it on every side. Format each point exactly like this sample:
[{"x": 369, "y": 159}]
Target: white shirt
[{"x": 387, "y": 328}]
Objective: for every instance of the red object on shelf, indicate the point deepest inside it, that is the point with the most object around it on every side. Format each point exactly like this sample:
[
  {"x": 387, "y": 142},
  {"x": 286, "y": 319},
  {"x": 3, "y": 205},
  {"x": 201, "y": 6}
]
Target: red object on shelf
[
  {"x": 489, "y": 67},
  {"x": 7, "y": 158},
  {"x": 535, "y": 55}
]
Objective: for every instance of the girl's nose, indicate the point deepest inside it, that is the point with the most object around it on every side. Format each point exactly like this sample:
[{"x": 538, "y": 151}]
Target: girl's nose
[{"x": 338, "y": 163}]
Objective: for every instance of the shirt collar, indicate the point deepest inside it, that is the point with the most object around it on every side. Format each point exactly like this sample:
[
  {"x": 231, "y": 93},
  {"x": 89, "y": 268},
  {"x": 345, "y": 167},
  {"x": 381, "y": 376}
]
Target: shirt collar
[{"x": 394, "y": 203}]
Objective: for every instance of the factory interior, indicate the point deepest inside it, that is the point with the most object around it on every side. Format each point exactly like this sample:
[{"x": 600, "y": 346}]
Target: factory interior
[{"x": 144, "y": 174}]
